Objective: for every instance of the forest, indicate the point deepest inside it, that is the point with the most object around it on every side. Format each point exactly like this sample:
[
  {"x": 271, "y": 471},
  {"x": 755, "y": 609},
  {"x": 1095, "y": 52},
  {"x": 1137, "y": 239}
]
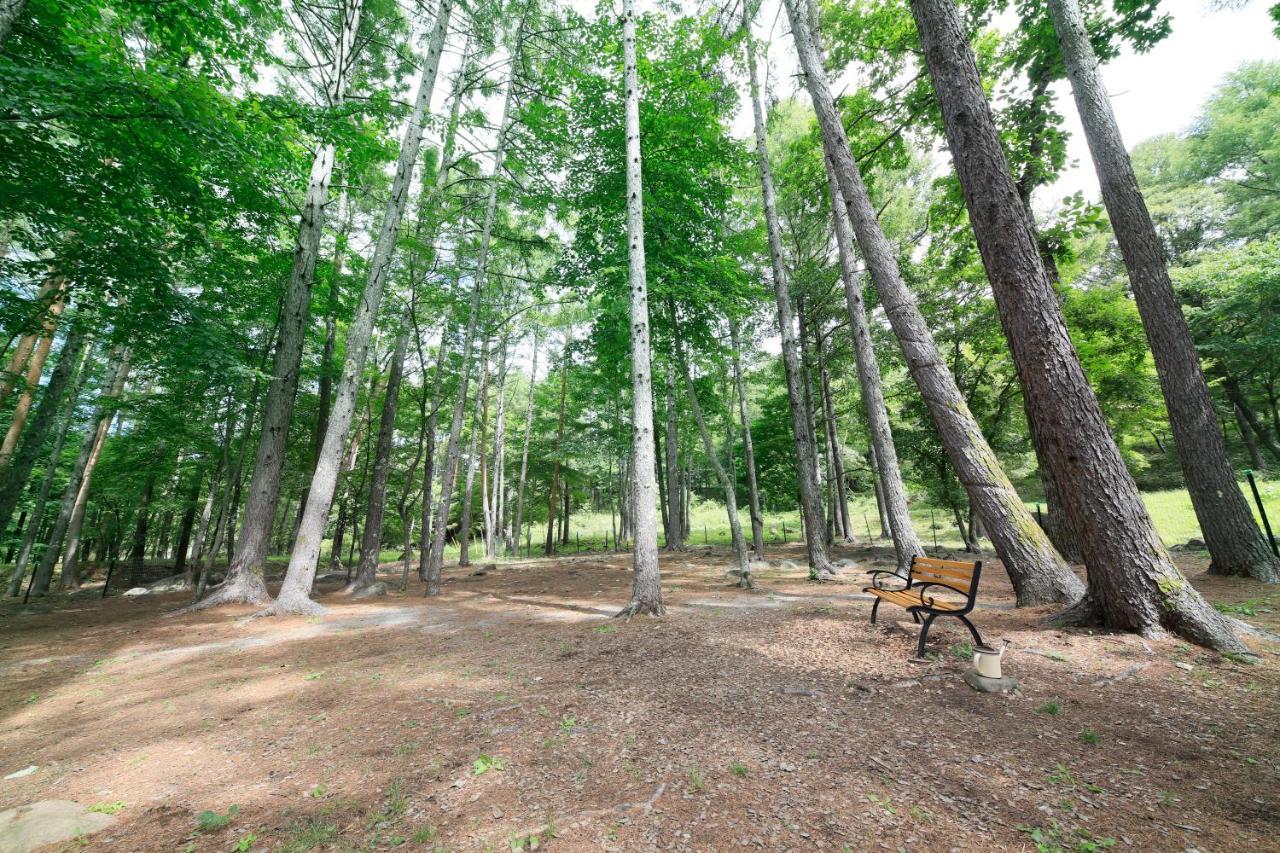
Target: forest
[{"x": 475, "y": 334}]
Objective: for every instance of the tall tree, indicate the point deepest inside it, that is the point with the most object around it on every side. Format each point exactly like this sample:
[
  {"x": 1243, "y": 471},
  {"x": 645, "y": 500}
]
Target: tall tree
[
  {"x": 1235, "y": 543},
  {"x": 244, "y": 582},
  {"x": 1133, "y": 584},
  {"x": 295, "y": 592},
  {"x": 646, "y": 592},
  {"x": 1038, "y": 574}
]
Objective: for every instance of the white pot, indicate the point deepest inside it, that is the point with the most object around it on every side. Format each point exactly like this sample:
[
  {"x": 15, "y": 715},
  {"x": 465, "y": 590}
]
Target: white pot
[{"x": 987, "y": 661}]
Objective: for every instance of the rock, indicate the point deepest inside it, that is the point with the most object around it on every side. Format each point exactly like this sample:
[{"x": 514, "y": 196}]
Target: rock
[
  {"x": 789, "y": 566},
  {"x": 47, "y": 822},
  {"x": 1184, "y": 666},
  {"x": 26, "y": 771},
  {"x": 1194, "y": 543},
  {"x": 799, "y": 691},
  {"x": 136, "y": 592},
  {"x": 479, "y": 573},
  {"x": 169, "y": 584},
  {"x": 847, "y": 564},
  {"x": 758, "y": 565},
  {"x": 331, "y": 577},
  {"x": 373, "y": 590},
  {"x": 1008, "y": 684}
]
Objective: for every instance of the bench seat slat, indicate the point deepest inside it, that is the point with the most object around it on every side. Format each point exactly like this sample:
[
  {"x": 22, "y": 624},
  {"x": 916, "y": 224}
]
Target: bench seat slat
[
  {"x": 944, "y": 564},
  {"x": 906, "y": 598}
]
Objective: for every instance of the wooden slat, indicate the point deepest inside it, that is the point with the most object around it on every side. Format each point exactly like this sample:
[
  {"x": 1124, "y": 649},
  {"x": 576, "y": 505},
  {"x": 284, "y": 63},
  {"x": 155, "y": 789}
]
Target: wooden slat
[
  {"x": 945, "y": 564},
  {"x": 912, "y": 599},
  {"x": 957, "y": 574}
]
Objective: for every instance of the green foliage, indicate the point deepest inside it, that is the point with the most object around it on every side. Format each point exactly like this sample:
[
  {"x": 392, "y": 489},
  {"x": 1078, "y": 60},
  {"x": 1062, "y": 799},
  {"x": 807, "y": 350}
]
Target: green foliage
[
  {"x": 210, "y": 821},
  {"x": 485, "y": 763}
]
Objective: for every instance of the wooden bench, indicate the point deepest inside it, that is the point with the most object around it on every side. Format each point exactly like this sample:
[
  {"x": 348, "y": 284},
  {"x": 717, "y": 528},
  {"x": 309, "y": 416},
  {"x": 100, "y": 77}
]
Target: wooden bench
[{"x": 943, "y": 576}]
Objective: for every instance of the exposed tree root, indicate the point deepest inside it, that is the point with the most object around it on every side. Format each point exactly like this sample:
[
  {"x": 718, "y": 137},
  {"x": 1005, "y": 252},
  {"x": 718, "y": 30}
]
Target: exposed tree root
[
  {"x": 246, "y": 588},
  {"x": 641, "y": 608},
  {"x": 293, "y": 605},
  {"x": 1189, "y": 617}
]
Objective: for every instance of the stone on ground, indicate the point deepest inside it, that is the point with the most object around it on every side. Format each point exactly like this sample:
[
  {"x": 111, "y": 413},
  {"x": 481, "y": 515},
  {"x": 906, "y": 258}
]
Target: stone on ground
[
  {"x": 1008, "y": 684},
  {"x": 373, "y": 590},
  {"x": 135, "y": 592},
  {"x": 169, "y": 584},
  {"x": 47, "y": 822}
]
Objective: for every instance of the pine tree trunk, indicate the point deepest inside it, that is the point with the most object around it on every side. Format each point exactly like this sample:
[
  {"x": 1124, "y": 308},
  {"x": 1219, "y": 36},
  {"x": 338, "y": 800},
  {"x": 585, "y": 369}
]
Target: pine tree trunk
[
  {"x": 14, "y": 476},
  {"x": 494, "y": 509},
  {"x": 371, "y": 545},
  {"x": 1236, "y": 395},
  {"x": 820, "y": 567},
  {"x": 448, "y": 474},
  {"x": 137, "y": 553},
  {"x": 528, "y": 430},
  {"x": 185, "y": 528},
  {"x": 1133, "y": 584},
  {"x": 476, "y": 439},
  {"x": 840, "y": 492},
  {"x": 742, "y": 561},
  {"x": 46, "y": 484},
  {"x": 646, "y": 592},
  {"x": 891, "y": 493},
  {"x": 429, "y": 456},
  {"x": 244, "y": 582},
  {"x": 675, "y": 496},
  {"x": 1037, "y": 572},
  {"x": 1234, "y": 540},
  {"x": 549, "y": 548},
  {"x": 1250, "y": 440},
  {"x": 35, "y": 367},
  {"x": 295, "y": 592},
  {"x": 89, "y": 448},
  {"x": 748, "y": 451},
  {"x": 47, "y": 303}
]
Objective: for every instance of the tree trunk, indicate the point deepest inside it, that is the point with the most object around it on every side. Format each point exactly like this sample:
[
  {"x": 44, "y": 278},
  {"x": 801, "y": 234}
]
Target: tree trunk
[
  {"x": 1038, "y": 574},
  {"x": 90, "y": 446},
  {"x": 10, "y": 12},
  {"x": 1235, "y": 542},
  {"x": 552, "y": 498},
  {"x": 494, "y": 512},
  {"x": 435, "y": 560},
  {"x": 371, "y": 545},
  {"x": 1250, "y": 440},
  {"x": 475, "y": 440},
  {"x": 185, "y": 527},
  {"x": 675, "y": 495},
  {"x": 840, "y": 495},
  {"x": 741, "y": 559},
  {"x": 820, "y": 567},
  {"x": 1133, "y": 584},
  {"x": 1245, "y": 410},
  {"x": 244, "y": 583},
  {"x": 891, "y": 493},
  {"x": 14, "y": 476},
  {"x": 137, "y": 553},
  {"x": 47, "y": 302},
  {"x": 295, "y": 592},
  {"x": 646, "y": 592},
  {"x": 46, "y": 484},
  {"x": 748, "y": 452},
  {"x": 528, "y": 429},
  {"x": 35, "y": 367}
]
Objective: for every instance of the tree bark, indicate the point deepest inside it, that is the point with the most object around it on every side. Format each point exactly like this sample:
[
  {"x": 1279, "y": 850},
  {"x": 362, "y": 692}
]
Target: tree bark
[
  {"x": 1038, "y": 574},
  {"x": 1236, "y": 545},
  {"x": 46, "y": 484},
  {"x": 528, "y": 430},
  {"x": 13, "y": 478},
  {"x": 741, "y": 559},
  {"x": 646, "y": 592},
  {"x": 474, "y": 441},
  {"x": 244, "y": 582},
  {"x": 90, "y": 446},
  {"x": 1250, "y": 440},
  {"x": 35, "y": 367},
  {"x": 892, "y": 491},
  {"x": 675, "y": 495},
  {"x": 549, "y": 548},
  {"x": 10, "y": 12},
  {"x": 820, "y": 567},
  {"x": 1133, "y": 584},
  {"x": 840, "y": 491},
  {"x": 295, "y": 592},
  {"x": 448, "y": 474},
  {"x": 371, "y": 544},
  {"x": 748, "y": 451}
]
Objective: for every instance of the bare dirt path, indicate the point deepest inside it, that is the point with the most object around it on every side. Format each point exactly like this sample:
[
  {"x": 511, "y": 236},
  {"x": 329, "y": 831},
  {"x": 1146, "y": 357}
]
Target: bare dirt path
[{"x": 515, "y": 706}]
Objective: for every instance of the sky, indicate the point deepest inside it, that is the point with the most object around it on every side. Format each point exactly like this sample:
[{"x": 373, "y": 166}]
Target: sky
[{"x": 1154, "y": 93}]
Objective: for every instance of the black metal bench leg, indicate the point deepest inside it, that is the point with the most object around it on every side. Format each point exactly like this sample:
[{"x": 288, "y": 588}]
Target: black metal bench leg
[
  {"x": 915, "y": 617},
  {"x": 924, "y": 633},
  {"x": 977, "y": 638},
  {"x": 874, "y": 608}
]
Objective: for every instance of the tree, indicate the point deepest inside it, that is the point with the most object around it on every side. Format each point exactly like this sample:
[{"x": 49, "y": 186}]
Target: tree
[
  {"x": 1235, "y": 543},
  {"x": 1133, "y": 584},
  {"x": 1037, "y": 572},
  {"x": 646, "y": 593}
]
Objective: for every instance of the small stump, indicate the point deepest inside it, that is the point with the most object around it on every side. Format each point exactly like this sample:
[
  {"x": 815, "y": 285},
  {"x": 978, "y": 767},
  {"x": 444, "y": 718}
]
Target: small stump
[{"x": 1008, "y": 684}]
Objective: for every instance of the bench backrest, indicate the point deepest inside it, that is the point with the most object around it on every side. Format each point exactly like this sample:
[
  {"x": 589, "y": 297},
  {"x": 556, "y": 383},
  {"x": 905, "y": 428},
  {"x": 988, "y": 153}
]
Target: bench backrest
[{"x": 955, "y": 575}]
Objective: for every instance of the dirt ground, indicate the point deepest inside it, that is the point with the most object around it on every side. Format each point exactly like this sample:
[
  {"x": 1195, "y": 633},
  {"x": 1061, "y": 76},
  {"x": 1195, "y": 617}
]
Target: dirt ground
[{"x": 513, "y": 712}]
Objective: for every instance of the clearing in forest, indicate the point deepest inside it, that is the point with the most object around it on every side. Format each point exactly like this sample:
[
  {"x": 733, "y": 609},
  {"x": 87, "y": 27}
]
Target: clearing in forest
[{"x": 514, "y": 706}]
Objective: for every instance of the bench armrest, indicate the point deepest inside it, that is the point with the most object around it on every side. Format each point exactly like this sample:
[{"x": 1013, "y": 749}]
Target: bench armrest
[{"x": 875, "y": 582}]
